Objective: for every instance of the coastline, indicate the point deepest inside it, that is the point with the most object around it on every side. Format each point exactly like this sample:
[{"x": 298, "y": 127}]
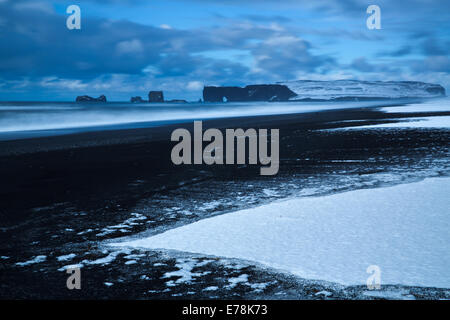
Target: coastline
[{"x": 87, "y": 188}]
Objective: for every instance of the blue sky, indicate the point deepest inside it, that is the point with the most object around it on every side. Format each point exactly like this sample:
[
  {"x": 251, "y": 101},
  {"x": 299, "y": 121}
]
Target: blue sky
[{"x": 128, "y": 47}]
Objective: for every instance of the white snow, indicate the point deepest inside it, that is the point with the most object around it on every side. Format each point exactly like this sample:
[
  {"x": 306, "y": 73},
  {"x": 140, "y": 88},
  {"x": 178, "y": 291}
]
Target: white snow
[
  {"x": 66, "y": 257},
  {"x": 259, "y": 287},
  {"x": 390, "y": 294},
  {"x": 324, "y": 293},
  {"x": 107, "y": 259},
  {"x": 210, "y": 205},
  {"x": 184, "y": 272},
  {"x": 36, "y": 259},
  {"x": 71, "y": 266},
  {"x": 84, "y": 232},
  {"x": 212, "y": 288},
  {"x": 124, "y": 226},
  {"x": 402, "y": 229},
  {"x": 270, "y": 192},
  {"x": 243, "y": 278},
  {"x": 353, "y": 88}
]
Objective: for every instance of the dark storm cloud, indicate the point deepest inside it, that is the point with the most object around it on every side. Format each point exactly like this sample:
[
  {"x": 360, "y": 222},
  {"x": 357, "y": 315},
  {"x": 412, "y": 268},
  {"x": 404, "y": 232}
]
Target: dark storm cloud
[
  {"x": 432, "y": 64},
  {"x": 362, "y": 65},
  {"x": 349, "y": 7},
  {"x": 433, "y": 47},
  {"x": 400, "y": 52},
  {"x": 240, "y": 47},
  {"x": 39, "y": 45},
  {"x": 286, "y": 56}
]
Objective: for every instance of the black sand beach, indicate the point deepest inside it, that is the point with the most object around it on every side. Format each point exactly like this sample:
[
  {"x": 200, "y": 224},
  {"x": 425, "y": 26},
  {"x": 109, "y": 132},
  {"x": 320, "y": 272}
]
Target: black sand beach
[{"x": 71, "y": 194}]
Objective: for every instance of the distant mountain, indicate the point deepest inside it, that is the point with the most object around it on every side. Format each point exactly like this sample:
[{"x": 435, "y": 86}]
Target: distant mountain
[{"x": 357, "y": 90}]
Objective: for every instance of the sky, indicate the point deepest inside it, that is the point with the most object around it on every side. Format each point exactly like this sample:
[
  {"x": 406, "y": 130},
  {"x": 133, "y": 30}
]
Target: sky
[{"x": 128, "y": 47}]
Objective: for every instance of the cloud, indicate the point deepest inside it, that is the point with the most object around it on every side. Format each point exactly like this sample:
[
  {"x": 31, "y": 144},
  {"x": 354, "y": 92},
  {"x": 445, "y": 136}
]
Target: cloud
[
  {"x": 134, "y": 46},
  {"x": 432, "y": 64},
  {"x": 400, "y": 52},
  {"x": 40, "y": 46},
  {"x": 266, "y": 18},
  {"x": 433, "y": 47},
  {"x": 33, "y": 6},
  {"x": 347, "y": 7},
  {"x": 362, "y": 65},
  {"x": 281, "y": 57},
  {"x": 382, "y": 69},
  {"x": 39, "y": 54},
  {"x": 67, "y": 84},
  {"x": 194, "y": 85}
]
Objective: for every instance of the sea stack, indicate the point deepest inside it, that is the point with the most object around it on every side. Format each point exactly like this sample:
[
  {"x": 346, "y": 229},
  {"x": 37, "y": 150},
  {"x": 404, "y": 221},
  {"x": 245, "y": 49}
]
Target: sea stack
[
  {"x": 102, "y": 98},
  {"x": 137, "y": 99},
  {"x": 155, "y": 96},
  {"x": 262, "y": 92},
  {"x": 176, "y": 101}
]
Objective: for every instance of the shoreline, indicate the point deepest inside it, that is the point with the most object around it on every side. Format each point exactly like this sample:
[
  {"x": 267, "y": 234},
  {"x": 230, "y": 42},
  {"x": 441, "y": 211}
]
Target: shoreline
[
  {"x": 70, "y": 120},
  {"x": 65, "y": 196},
  {"x": 101, "y": 137}
]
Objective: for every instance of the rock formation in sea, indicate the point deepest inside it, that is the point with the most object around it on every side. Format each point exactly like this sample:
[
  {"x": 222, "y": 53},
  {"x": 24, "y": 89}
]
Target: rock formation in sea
[
  {"x": 261, "y": 92},
  {"x": 137, "y": 99},
  {"x": 176, "y": 101},
  {"x": 155, "y": 96},
  {"x": 102, "y": 98}
]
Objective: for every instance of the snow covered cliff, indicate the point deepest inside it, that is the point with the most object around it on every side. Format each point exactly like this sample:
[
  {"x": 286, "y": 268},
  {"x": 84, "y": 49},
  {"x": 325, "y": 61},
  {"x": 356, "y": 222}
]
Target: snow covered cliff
[{"x": 355, "y": 89}]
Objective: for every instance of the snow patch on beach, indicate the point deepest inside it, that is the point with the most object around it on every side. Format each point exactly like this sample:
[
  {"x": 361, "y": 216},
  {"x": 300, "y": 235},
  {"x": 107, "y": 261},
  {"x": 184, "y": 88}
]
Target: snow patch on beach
[
  {"x": 125, "y": 226},
  {"x": 184, "y": 274},
  {"x": 270, "y": 192},
  {"x": 66, "y": 257},
  {"x": 211, "y": 288},
  {"x": 402, "y": 229},
  {"x": 36, "y": 259},
  {"x": 109, "y": 258},
  {"x": 210, "y": 205},
  {"x": 398, "y": 294},
  {"x": 233, "y": 282}
]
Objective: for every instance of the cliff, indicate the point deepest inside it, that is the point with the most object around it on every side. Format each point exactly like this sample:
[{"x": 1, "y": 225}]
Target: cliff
[
  {"x": 341, "y": 90},
  {"x": 155, "y": 96},
  {"x": 261, "y": 92},
  {"x": 334, "y": 90}
]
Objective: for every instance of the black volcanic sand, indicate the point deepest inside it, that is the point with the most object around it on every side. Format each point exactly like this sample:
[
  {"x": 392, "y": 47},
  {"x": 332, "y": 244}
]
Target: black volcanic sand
[{"x": 73, "y": 194}]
